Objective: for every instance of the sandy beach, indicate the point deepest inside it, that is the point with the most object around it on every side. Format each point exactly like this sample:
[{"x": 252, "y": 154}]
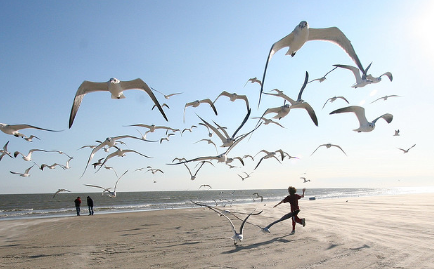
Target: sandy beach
[{"x": 369, "y": 232}]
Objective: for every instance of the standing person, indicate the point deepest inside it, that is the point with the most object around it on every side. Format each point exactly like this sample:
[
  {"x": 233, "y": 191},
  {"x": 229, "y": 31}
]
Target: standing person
[
  {"x": 292, "y": 199},
  {"x": 77, "y": 205},
  {"x": 90, "y": 205}
]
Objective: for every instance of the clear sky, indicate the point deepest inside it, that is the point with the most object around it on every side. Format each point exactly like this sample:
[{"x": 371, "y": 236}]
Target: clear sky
[{"x": 201, "y": 48}]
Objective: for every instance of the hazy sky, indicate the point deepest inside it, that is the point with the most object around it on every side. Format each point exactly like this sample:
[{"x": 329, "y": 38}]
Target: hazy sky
[{"x": 201, "y": 48}]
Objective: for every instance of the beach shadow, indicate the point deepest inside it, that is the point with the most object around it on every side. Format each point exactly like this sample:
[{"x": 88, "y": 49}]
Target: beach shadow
[
  {"x": 359, "y": 248},
  {"x": 332, "y": 246},
  {"x": 280, "y": 239}
]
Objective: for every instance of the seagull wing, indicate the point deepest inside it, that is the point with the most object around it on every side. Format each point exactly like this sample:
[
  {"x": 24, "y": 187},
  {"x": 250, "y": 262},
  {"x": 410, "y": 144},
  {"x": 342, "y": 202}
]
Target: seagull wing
[
  {"x": 335, "y": 35},
  {"x": 140, "y": 84},
  {"x": 224, "y": 93},
  {"x": 116, "y": 184},
  {"x": 339, "y": 148},
  {"x": 244, "y": 221},
  {"x": 215, "y": 130},
  {"x": 302, "y": 87},
  {"x": 389, "y": 75},
  {"x": 353, "y": 69},
  {"x": 387, "y": 117},
  {"x": 358, "y": 110},
  {"x": 85, "y": 87},
  {"x": 211, "y": 104},
  {"x": 242, "y": 124},
  {"x": 309, "y": 110}
]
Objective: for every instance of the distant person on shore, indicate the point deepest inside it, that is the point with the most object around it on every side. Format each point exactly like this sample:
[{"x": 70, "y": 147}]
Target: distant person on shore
[
  {"x": 292, "y": 199},
  {"x": 77, "y": 205},
  {"x": 90, "y": 205}
]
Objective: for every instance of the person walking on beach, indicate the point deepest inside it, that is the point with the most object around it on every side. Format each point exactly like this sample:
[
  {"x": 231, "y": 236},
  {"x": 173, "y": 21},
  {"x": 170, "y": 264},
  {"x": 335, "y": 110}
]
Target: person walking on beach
[
  {"x": 77, "y": 205},
  {"x": 292, "y": 199},
  {"x": 90, "y": 205}
]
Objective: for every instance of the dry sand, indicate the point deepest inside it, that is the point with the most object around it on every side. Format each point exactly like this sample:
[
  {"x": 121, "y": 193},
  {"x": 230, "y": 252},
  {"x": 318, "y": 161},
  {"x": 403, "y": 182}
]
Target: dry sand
[{"x": 369, "y": 232}]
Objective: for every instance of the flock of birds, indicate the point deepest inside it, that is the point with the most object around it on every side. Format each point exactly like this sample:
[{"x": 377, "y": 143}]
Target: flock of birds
[{"x": 218, "y": 135}]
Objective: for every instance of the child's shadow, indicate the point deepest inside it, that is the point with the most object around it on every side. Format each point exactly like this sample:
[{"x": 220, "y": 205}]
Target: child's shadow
[{"x": 237, "y": 248}]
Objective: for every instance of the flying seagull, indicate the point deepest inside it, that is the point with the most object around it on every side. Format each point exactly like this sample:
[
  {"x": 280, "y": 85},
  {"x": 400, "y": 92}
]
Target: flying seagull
[
  {"x": 60, "y": 190},
  {"x": 406, "y": 150},
  {"x": 385, "y": 97},
  {"x": 332, "y": 99},
  {"x": 111, "y": 194},
  {"x": 26, "y": 173},
  {"x": 198, "y": 102},
  {"x": 301, "y": 34},
  {"x": 14, "y": 129},
  {"x": 321, "y": 79},
  {"x": 361, "y": 80},
  {"x": 253, "y": 80},
  {"x": 5, "y": 151},
  {"x": 328, "y": 146},
  {"x": 365, "y": 125},
  {"x": 233, "y": 97},
  {"x": 238, "y": 236},
  {"x": 116, "y": 88},
  {"x": 167, "y": 96}
]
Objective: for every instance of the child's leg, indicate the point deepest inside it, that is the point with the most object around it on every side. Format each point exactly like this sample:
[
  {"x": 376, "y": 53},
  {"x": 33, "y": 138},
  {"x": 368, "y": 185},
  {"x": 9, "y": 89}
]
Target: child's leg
[{"x": 285, "y": 217}]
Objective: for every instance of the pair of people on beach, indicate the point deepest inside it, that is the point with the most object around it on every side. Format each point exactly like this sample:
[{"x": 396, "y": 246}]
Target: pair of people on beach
[
  {"x": 292, "y": 199},
  {"x": 77, "y": 202}
]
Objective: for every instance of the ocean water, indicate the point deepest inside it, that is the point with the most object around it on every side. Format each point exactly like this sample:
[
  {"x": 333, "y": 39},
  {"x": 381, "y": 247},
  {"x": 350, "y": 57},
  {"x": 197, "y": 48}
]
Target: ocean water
[{"x": 16, "y": 206}]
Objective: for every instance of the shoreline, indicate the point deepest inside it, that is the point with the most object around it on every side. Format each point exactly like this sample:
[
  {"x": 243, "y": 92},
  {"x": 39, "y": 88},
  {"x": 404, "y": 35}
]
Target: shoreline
[{"x": 365, "y": 232}]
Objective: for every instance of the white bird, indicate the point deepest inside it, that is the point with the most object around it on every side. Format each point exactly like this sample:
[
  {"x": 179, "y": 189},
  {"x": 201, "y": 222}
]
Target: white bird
[
  {"x": 14, "y": 129},
  {"x": 205, "y": 185},
  {"x": 153, "y": 127},
  {"x": 361, "y": 80},
  {"x": 359, "y": 111},
  {"x": 163, "y": 105},
  {"x": 120, "y": 153},
  {"x": 108, "y": 142},
  {"x": 258, "y": 196},
  {"x": 111, "y": 194},
  {"x": 26, "y": 173},
  {"x": 268, "y": 155},
  {"x": 328, "y": 146},
  {"x": 406, "y": 150},
  {"x": 332, "y": 99},
  {"x": 247, "y": 175},
  {"x": 51, "y": 166},
  {"x": 223, "y": 135},
  {"x": 5, "y": 151},
  {"x": 166, "y": 138},
  {"x": 179, "y": 159},
  {"x": 378, "y": 79},
  {"x": 300, "y": 103},
  {"x": 253, "y": 80},
  {"x": 167, "y": 96},
  {"x": 193, "y": 176},
  {"x": 233, "y": 97},
  {"x": 28, "y": 157},
  {"x": 188, "y": 129},
  {"x": 268, "y": 121},
  {"x": 110, "y": 168},
  {"x": 116, "y": 88},
  {"x": 396, "y": 133},
  {"x": 66, "y": 166},
  {"x": 385, "y": 97},
  {"x": 209, "y": 142},
  {"x": 198, "y": 102},
  {"x": 97, "y": 163},
  {"x": 230, "y": 160},
  {"x": 60, "y": 190},
  {"x": 321, "y": 79},
  {"x": 301, "y": 34},
  {"x": 155, "y": 170},
  {"x": 305, "y": 180},
  {"x": 30, "y": 138},
  {"x": 238, "y": 236}
]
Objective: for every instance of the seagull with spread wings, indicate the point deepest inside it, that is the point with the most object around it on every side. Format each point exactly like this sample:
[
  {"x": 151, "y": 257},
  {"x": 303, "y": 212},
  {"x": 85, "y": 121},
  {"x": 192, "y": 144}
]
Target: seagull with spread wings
[
  {"x": 13, "y": 129},
  {"x": 111, "y": 194},
  {"x": 407, "y": 150},
  {"x": 365, "y": 125},
  {"x": 116, "y": 89},
  {"x": 328, "y": 146},
  {"x": 198, "y": 102},
  {"x": 233, "y": 97},
  {"x": 332, "y": 99}
]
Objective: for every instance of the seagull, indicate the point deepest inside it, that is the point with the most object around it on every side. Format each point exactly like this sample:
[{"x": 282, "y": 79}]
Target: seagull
[
  {"x": 378, "y": 79},
  {"x": 116, "y": 88},
  {"x": 209, "y": 132},
  {"x": 110, "y": 168},
  {"x": 188, "y": 129},
  {"x": 258, "y": 196},
  {"x": 225, "y": 138},
  {"x": 153, "y": 127},
  {"x": 60, "y": 190},
  {"x": 193, "y": 176},
  {"x": 268, "y": 155},
  {"x": 179, "y": 159},
  {"x": 14, "y": 129},
  {"x": 324, "y": 77},
  {"x": 111, "y": 194},
  {"x": 361, "y": 80},
  {"x": 328, "y": 146},
  {"x": 233, "y": 97},
  {"x": 300, "y": 103},
  {"x": 5, "y": 151},
  {"x": 30, "y": 138},
  {"x": 166, "y": 138},
  {"x": 268, "y": 121},
  {"x": 248, "y": 156},
  {"x": 197, "y": 103},
  {"x": 120, "y": 153},
  {"x": 66, "y": 166},
  {"x": 301, "y": 34},
  {"x": 385, "y": 97},
  {"x": 332, "y": 99},
  {"x": 209, "y": 142},
  {"x": 406, "y": 150},
  {"x": 163, "y": 105},
  {"x": 167, "y": 96},
  {"x": 205, "y": 185},
  {"x": 26, "y": 173},
  {"x": 238, "y": 236},
  {"x": 365, "y": 126},
  {"x": 396, "y": 133},
  {"x": 305, "y": 180},
  {"x": 246, "y": 175},
  {"x": 28, "y": 157},
  {"x": 108, "y": 142},
  {"x": 98, "y": 163},
  {"x": 51, "y": 166},
  {"x": 230, "y": 160},
  {"x": 155, "y": 170},
  {"x": 253, "y": 80}
]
